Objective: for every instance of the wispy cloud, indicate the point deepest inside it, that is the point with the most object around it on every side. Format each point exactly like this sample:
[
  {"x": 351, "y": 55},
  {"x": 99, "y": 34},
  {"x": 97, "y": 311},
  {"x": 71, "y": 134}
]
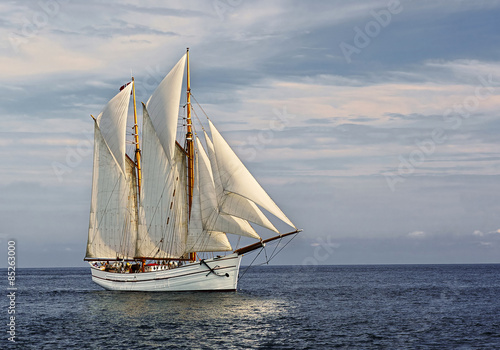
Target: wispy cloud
[
  {"x": 417, "y": 234},
  {"x": 478, "y": 233}
]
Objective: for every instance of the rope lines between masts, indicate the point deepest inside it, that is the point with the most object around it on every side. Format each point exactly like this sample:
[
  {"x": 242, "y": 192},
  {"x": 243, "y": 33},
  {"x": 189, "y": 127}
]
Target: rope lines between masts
[
  {"x": 197, "y": 118},
  {"x": 206, "y": 115}
]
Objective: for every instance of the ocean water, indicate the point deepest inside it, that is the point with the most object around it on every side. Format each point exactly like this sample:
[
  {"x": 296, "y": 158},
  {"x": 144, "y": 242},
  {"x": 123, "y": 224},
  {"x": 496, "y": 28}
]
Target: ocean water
[{"x": 276, "y": 307}]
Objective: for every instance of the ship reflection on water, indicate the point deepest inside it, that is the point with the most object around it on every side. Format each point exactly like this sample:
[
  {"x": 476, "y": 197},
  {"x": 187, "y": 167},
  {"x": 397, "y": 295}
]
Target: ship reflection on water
[
  {"x": 194, "y": 318},
  {"x": 186, "y": 306}
]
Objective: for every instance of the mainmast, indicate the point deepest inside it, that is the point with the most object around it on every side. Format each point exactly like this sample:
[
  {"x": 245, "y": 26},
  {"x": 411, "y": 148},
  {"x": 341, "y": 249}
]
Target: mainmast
[
  {"x": 137, "y": 148},
  {"x": 189, "y": 143}
]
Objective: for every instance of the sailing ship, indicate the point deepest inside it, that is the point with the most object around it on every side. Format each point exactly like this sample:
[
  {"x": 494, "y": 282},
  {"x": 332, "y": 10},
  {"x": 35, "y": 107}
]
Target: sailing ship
[{"x": 159, "y": 219}]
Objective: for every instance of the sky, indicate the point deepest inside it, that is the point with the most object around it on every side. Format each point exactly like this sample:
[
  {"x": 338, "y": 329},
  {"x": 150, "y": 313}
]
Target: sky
[{"x": 374, "y": 125}]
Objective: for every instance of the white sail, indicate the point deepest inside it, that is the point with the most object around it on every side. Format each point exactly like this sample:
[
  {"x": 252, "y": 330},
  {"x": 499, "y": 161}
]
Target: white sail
[
  {"x": 163, "y": 209},
  {"x": 208, "y": 242},
  {"x": 231, "y": 203},
  {"x": 112, "y": 122},
  {"x": 163, "y": 107},
  {"x": 112, "y": 230},
  {"x": 213, "y": 219},
  {"x": 236, "y": 178},
  {"x": 199, "y": 239}
]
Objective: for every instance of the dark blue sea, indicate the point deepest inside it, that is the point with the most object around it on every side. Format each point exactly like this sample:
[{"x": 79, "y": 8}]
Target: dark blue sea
[{"x": 276, "y": 307}]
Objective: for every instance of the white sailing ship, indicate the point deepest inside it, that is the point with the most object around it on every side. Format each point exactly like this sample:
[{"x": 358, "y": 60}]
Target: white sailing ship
[{"x": 153, "y": 217}]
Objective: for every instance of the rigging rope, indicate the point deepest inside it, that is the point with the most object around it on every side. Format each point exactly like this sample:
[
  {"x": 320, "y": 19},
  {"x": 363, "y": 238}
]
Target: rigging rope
[
  {"x": 199, "y": 121},
  {"x": 268, "y": 260},
  {"x": 291, "y": 239},
  {"x": 244, "y": 272},
  {"x": 277, "y": 245},
  {"x": 206, "y": 115}
]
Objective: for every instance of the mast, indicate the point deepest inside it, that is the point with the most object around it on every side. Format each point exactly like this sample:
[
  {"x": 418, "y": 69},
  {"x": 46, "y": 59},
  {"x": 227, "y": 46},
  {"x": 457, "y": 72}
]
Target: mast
[
  {"x": 189, "y": 143},
  {"x": 137, "y": 149},
  {"x": 189, "y": 138}
]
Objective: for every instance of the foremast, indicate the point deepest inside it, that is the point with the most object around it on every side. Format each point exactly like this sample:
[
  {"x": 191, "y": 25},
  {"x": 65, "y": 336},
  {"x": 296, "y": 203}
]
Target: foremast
[{"x": 189, "y": 144}]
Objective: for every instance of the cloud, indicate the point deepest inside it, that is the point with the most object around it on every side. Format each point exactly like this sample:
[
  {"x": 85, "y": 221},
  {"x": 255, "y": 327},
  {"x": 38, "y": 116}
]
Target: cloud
[
  {"x": 33, "y": 62},
  {"x": 478, "y": 233},
  {"x": 417, "y": 234}
]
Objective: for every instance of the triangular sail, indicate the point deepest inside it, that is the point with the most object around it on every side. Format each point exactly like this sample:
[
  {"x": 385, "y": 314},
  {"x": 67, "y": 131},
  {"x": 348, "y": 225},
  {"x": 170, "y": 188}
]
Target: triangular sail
[
  {"x": 199, "y": 239},
  {"x": 163, "y": 209},
  {"x": 112, "y": 225},
  {"x": 106, "y": 209},
  {"x": 232, "y": 203},
  {"x": 163, "y": 107},
  {"x": 236, "y": 178},
  {"x": 112, "y": 122},
  {"x": 213, "y": 219}
]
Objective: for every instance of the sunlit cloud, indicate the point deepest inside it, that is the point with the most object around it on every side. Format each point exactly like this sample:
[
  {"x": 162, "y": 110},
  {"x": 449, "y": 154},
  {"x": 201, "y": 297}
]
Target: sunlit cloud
[
  {"x": 417, "y": 234},
  {"x": 478, "y": 233}
]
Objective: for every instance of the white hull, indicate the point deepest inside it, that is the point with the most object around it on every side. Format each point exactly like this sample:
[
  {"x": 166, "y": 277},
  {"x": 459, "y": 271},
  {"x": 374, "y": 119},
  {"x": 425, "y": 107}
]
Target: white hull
[{"x": 190, "y": 277}]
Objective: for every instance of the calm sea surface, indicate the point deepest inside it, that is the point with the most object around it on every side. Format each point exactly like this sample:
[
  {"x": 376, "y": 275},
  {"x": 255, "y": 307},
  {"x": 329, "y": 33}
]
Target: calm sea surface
[{"x": 276, "y": 307}]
